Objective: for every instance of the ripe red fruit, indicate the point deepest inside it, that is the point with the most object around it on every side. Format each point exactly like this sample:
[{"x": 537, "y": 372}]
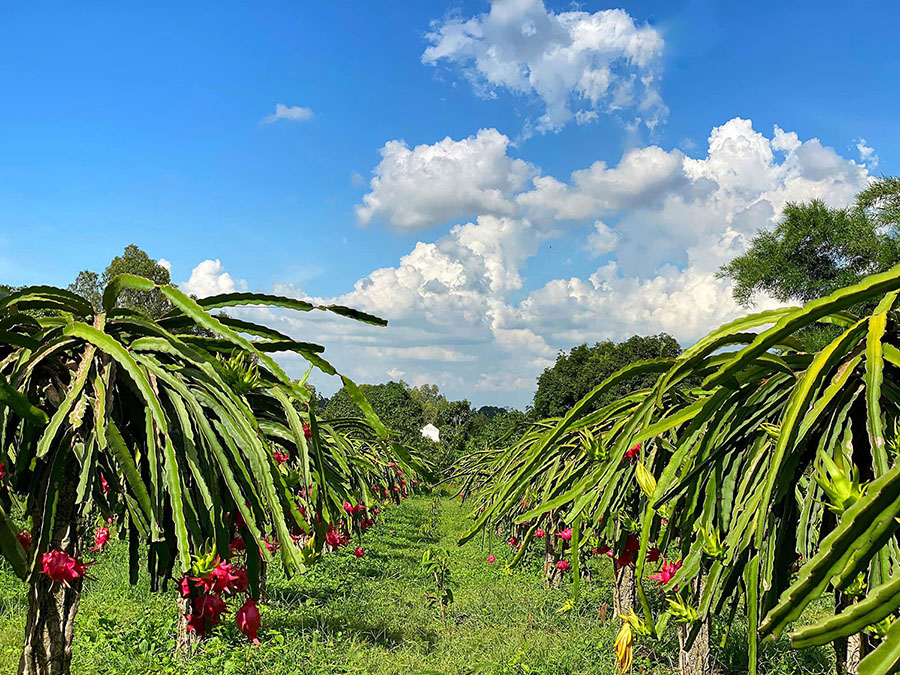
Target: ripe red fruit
[
  {"x": 348, "y": 507},
  {"x": 61, "y": 567},
  {"x": 184, "y": 587},
  {"x": 623, "y": 560},
  {"x": 633, "y": 452},
  {"x": 666, "y": 572},
  {"x": 653, "y": 554},
  {"x": 236, "y": 545},
  {"x": 196, "y": 624},
  {"x": 336, "y": 539},
  {"x": 247, "y": 618},
  {"x": 392, "y": 464},
  {"x": 2, "y": 471},
  {"x": 632, "y": 543},
  {"x": 25, "y": 539},
  {"x": 240, "y": 583},
  {"x": 539, "y": 533},
  {"x": 358, "y": 552},
  {"x": 491, "y": 559},
  {"x": 281, "y": 457},
  {"x": 562, "y": 565},
  {"x": 513, "y": 541},
  {"x": 307, "y": 432},
  {"x": 104, "y": 485},
  {"x": 101, "y": 539},
  {"x": 359, "y": 509},
  {"x": 222, "y": 578},
  {"x": 207, "y": 608},
  {"x": 565, "y": 534}
]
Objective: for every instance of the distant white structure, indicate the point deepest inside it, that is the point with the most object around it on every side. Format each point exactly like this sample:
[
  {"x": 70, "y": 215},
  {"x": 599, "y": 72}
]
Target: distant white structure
[{"x": 432, "y": 432}]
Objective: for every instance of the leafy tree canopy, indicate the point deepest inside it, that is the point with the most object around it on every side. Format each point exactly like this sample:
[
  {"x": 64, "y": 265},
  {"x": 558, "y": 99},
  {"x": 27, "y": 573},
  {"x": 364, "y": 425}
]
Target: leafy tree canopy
[
  {"x": 816, "y": 250},
  {"x": 407, "y": 409},
  {"x": 574, "y": 374},
  {"x": 133, "y": 260},
  {"x": 391, "y": 401},
  {"x": 493, "y": 427}
]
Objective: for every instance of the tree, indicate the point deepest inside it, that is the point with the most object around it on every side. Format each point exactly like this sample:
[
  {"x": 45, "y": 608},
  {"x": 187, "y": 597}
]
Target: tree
[
  {"x": 430, "y": 400},
  {"x": 105, "y": 413},
  {"x": 576, "y": 373},
  {"x": 89, "y": 285},
  {"x": 881, "y": 201},
  {"x": 392, "y": 403},
  {"x": 492, "y": 426},
  {"x": 815, "y": 250}
]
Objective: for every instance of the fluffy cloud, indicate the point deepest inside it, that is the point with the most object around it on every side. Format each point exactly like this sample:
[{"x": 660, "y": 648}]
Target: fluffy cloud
[
  {"x": 602, "y": 240},
  {"x": 867, "y": 154},
  {"x": 210, "y": 278},
  {"x": 432, "y": 184},
  {"x": 420, "y": 353},
  {"x": 292, "y": 113},
  {"x": 581, "y": 61},
  {"x": 463, "y": 315}
]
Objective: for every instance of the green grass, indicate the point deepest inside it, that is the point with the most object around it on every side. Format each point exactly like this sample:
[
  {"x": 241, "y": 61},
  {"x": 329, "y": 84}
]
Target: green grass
[{"x": 372, "y": 616}]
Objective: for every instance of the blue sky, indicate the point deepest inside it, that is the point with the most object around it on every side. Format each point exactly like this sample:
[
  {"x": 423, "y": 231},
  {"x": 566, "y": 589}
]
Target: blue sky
[{"x": 149, "y": 126}]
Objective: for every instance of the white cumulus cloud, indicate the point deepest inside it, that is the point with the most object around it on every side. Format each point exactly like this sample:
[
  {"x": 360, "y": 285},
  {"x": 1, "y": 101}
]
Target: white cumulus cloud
[
  {"x": 289, "y": 113},
  {"x": 463, "y": 314},
  {"x": 577, "y": 63},
  {"x": 867, "y": 153},
  {"x": 210, "y": 278},
  {"x": 431, "y": 184}
]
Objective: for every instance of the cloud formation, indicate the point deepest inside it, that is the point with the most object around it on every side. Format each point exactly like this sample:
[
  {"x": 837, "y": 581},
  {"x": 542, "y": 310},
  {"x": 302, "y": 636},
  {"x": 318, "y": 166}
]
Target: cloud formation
[
  {"x": 577, "y": 63},
  {"x": 293, "y": 113},
  {"x": 210, "y": 278},
  {"x": 651, "y": 230},
  {"x": 432, "y": 184}
]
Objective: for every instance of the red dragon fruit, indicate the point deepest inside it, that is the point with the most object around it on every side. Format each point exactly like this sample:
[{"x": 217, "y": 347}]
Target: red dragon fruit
[
  {"x": 101, "y": 539},
  {"x": 247, "y": 618}
]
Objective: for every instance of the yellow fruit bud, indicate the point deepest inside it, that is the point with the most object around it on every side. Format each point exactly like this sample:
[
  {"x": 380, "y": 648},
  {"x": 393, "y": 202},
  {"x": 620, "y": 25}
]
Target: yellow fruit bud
[
  {"x": 645, "y": 479},
  {"x": 623, "y": 646}
]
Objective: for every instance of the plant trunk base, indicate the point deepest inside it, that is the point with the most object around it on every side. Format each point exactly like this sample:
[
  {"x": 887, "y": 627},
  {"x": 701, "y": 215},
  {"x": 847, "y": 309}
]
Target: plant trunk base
[
  {"x": 49, "y": 628},
  {"x": 625, "y": 592},
  {"x": 185, "y": 640},
  {"x": 695, "y": 659},
  {"x": 50, "y": 623}
]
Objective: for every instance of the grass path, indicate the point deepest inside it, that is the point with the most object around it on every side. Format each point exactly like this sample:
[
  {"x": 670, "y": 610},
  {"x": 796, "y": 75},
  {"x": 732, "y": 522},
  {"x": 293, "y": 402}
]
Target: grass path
[{"x": 362, "y": 616}]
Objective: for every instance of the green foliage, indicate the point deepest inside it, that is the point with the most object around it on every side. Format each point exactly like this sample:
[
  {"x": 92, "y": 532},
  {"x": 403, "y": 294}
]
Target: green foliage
[
  {"x": 182, "y": 429},
  {"x": 368, "y": 616},
  {"x": 407, "y": 409},
  {"x": 739, "y": 477},
  {"x": 492, "y": 427},
  {"x": 815, "y": 250},
  {"x": 881, "y": 201},
  {"x": 574, "y": 374},
  {"x": 392, "y": 403},
  {"x": 436, "y": 562},
  {"x": 133, "y": 260}
]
